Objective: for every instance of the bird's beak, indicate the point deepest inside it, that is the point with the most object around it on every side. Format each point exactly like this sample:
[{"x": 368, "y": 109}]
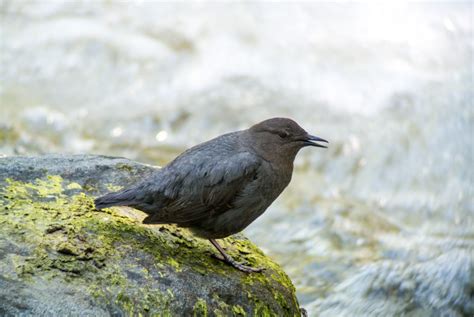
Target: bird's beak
[{"x": 311, "y": 140}]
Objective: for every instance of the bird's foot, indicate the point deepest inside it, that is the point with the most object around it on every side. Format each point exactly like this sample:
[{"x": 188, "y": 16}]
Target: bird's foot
[
  {"x": 218, "y": 257},
  {"x": 227, "y": 259},
  {"x": 246, "y": 269},
  {"x": 239, "y": 266}
]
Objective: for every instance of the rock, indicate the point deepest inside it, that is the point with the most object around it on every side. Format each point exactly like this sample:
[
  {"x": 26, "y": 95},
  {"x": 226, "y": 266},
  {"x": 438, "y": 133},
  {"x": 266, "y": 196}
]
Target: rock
[
  {"x": 60, "y": 256},
  {"x": 443, "y": 286}
]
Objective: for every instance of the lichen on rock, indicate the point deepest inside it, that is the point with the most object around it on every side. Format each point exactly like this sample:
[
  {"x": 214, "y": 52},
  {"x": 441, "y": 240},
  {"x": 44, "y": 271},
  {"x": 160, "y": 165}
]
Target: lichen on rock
[{"x": 58, "y": 254}]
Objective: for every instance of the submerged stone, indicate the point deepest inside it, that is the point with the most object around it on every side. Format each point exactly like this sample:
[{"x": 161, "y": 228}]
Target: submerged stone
[{"x": 60, "y": 256}]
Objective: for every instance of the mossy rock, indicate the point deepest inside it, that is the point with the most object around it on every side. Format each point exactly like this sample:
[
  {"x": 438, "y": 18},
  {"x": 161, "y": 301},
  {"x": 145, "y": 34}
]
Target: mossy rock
[{"x": 61, "y": 256}]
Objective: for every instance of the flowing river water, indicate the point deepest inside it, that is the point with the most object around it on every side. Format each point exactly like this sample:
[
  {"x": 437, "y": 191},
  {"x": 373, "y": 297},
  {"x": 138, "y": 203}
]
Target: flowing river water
[{"x": 386, "y": 211}]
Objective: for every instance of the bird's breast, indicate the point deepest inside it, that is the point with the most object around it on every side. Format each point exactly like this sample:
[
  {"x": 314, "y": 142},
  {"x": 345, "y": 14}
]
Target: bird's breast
[{"x": 275, "y": 178}]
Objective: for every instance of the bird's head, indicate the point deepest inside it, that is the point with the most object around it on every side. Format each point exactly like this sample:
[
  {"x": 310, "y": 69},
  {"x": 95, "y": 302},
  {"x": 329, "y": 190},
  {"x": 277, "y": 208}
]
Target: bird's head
[{"x": 283, "y": 136}]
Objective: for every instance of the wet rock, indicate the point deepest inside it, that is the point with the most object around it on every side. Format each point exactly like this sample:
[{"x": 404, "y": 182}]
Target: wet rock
[
  {"x": 60, "y": 256},
  {"x": 443, "y": 286}
]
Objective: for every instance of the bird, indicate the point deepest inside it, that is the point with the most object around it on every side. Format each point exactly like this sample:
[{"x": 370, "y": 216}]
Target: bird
[{"x": 219, "y": 187}]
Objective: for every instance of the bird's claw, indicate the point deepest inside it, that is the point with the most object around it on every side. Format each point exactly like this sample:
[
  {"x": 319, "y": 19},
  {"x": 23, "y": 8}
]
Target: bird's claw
[
  {"x": 247, "y": 269},
  {"x": 239, "y": 266}
]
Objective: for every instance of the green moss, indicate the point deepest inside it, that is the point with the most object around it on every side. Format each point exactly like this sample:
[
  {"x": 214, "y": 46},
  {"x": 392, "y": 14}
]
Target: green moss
[
  {"x": 260, "y": 308},
  {"x": 67, "y": 248},
  {"x": 175, "y": 264},
  {"x": 238, "y": 310},
  {"x": 114, "y": 188},
  {"x": 223, "y": 309},
  {"x": 73, "y": 186},
  {"x": 124, "y": 167},
  {"x": 200, "y": 308}
]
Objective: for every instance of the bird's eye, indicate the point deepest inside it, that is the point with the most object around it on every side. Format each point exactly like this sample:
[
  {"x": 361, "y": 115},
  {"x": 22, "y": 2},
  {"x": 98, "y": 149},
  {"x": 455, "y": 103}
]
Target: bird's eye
[{"x": 283, "y": 134}]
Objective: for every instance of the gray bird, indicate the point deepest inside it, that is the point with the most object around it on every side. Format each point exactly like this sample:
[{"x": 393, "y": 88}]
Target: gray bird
[{"x": 217, "y": 188}]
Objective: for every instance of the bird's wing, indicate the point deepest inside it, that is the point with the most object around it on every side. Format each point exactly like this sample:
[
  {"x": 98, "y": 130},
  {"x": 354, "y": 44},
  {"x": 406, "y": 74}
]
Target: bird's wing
[{"x": 202, "y": 186}]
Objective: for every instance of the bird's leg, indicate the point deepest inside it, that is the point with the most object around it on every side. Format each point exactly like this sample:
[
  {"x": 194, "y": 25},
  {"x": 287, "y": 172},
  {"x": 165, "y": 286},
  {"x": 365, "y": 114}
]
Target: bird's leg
[{"x": 231, "y": 261}]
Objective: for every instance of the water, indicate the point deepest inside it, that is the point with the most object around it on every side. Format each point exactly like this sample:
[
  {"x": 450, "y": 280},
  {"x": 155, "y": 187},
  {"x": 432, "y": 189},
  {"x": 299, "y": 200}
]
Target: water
[{"x": 390, "y": 85}]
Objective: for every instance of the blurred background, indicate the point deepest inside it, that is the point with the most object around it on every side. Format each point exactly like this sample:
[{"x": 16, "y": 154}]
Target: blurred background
[{"x": 381, "y": 221}]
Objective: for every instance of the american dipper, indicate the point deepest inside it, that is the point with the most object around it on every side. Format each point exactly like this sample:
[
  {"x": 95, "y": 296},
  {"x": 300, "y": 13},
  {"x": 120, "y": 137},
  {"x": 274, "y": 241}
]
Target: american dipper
[{"x": 217, "y": 188}]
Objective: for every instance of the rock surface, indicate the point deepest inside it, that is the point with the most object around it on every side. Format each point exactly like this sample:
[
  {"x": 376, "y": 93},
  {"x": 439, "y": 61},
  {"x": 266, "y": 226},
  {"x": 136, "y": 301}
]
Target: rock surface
[
  {"x": 60, "y": 256},
  {"x": 440, "y": 287}
]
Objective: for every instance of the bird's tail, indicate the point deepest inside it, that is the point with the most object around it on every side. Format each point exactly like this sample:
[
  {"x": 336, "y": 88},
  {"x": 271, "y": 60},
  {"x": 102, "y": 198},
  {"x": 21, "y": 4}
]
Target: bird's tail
[{"x": 121, "y": 198}]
